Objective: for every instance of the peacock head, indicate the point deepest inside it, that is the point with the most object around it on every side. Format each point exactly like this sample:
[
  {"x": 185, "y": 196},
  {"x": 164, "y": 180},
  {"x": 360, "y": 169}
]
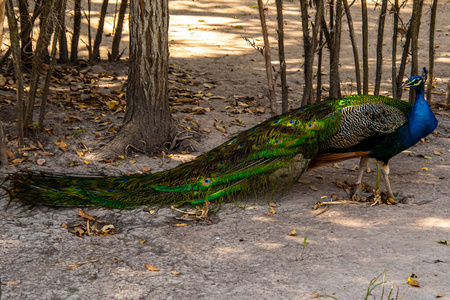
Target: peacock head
[{"x": 416, "y": 82}]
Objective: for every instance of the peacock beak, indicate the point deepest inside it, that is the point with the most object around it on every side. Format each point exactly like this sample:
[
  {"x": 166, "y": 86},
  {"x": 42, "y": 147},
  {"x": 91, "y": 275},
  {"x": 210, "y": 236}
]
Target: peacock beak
[{"x": 406, "y": 84}]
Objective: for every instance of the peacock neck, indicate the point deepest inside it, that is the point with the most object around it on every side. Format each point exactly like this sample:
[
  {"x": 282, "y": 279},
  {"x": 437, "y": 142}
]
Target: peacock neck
[{"x": 421, "y": 120}]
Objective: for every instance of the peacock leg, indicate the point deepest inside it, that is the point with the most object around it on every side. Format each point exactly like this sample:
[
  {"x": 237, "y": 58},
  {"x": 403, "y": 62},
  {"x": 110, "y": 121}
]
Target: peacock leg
[
  {"x": 385, "y": 172},
  {"x": 363, "y": 163}
]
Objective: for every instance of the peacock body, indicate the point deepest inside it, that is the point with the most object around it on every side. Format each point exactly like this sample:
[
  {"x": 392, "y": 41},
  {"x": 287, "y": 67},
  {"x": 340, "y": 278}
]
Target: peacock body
[{"x": 330, "y": 131}]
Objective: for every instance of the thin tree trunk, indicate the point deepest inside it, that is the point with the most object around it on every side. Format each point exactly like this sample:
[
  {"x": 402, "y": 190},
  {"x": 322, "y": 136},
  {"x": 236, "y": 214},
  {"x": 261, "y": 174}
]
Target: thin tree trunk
[
  {"x": 17, "y": 63},
  {"x": 319, "y": 68},
  {"x": 89, "y": 45},
  {"x": 59, "y": 9},
  {"x": 354, "y": 46},
  {"x": 431, "y": 50},
  {"x": 63, "y": 49},
  {"x": 268, "y": 61},
  {"x": 76, "y": 32},
  {"x": 118, "y": 34},
  {"x": 38, "y": 59},
  {"x": 380, "y": 47},
  {"x": 335, "y": 82},
  {"x": 2, "y": 21},
  {"x": 26, "y": 44},
  {"x": 147, "y": 122},
  {"x": 394, "y": 51},
  {"x": 281, "y": 57},
  {"x": 99, "y": 34},
  {"x": 365, "y": 37},
  {"x": 309, "y": 55},
  {"x": 415, "y": 21}
]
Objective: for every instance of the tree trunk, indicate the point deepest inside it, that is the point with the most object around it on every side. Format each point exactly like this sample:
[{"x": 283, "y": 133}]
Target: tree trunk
[
  {"x": 394, "y": 50},
  {"x": 365, "y": 37},
  {"x": 415, "y": 21},
  {"x": 26, "y": 47},
  {"x": 335, "y": 82},
  {"x": 268, "y": 60},
  {"x": 354, "y": 46},
  {"x": 118, "y": 34},
  {"x": 431, "y": 50},
  {"x": 147, "y": 123},
  {"x": 76, "y": 32},
  {"x": 380, "y": 47},
  {"x": 2, "y": 19},
  {"x": 63, "y": 49},
  {"x": 17, "y": 62},
  {"x": 99, "y": 34},
  {"x": 281, "y": 57}
]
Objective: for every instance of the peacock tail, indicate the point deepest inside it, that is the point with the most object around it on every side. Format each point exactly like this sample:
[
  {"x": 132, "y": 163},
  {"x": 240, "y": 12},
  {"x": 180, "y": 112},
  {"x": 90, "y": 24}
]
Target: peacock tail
[{"x": 297, "y": 141}]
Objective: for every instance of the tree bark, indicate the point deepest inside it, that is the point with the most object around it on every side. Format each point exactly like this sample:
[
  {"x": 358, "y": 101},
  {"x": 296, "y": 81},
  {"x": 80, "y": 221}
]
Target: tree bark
[
  {"x": 415, "y": 22},
  {"x": 17, "y": 63},
  {"x": 380, "y": 35},
  {"x": 26, "y": 47},
  {"x": 284, "y": 87},
  {"x": 63, "y": 49},
  {"x": 118, "y": 33},
  {"x": 431, "y": 50},
  {"x": 354, "y": 46},
  {"x": 365, "y": 37},
  {"x": 147, "y": 123},
  {"x": 99, "y": 34},
  {"x": 38, "y": 59},
  {"x": 394, "y": 50},
  {"x": 335, "y": 82},
  {"x": 76, "y": 32},
  {"x": 2, "y": 19},
  {"x": 268, "y": 60}
]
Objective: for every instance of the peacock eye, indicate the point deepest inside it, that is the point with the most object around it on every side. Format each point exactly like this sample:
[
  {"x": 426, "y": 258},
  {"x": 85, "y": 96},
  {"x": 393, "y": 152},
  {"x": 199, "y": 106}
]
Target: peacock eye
[
  {"x": 276, "y": 122},
  {"x": 110, "y": 191}
]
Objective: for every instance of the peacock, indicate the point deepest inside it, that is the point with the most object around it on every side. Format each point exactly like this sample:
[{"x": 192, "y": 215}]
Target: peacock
[{"x": 356, "y": 126}]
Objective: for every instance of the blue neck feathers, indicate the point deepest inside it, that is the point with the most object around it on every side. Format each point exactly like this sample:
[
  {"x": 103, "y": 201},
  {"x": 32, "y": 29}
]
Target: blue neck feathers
[{"x": 421, "y": 119}]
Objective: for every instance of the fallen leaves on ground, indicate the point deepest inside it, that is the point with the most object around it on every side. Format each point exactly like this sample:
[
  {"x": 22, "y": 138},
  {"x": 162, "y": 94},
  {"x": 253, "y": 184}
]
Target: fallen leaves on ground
[{"x": 91, "y": 227}]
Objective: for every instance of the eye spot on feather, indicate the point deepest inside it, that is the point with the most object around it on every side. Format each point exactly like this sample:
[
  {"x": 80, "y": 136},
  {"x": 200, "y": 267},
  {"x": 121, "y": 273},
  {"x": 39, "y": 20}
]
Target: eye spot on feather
[
  {"x": 77, "y": 188},
  {"x": 252, "y": 130},
  {"x": 206, "y": 182},
  {"x": 289, "y": 144},
  {"x": 277, "y": 142},
  {"x": 291, "y": 122},
  {"x": 310, "y": 126},
  {"x": 276, "y": 122},
  {"x": 232, "y": 142},
  {"x": 110, "y": 191},
  {"x": 125, "y": 180},
  {"x": 55, "y": 191},
  {"x": 332, "y": 119},
  {"x": 79, "y": 181},
  {"x": 256, "y": 146}
]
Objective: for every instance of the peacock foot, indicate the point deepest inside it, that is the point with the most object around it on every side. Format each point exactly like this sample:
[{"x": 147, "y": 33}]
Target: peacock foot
[{"x": 399, "y": 197}]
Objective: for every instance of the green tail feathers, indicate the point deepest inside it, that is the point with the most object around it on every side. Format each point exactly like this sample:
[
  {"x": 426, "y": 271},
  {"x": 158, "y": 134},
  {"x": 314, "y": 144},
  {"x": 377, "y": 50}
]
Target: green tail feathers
[{"x": 241, "y": 165}]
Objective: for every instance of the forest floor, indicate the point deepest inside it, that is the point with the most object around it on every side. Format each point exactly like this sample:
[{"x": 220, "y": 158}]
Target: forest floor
[{"x": 218, "y": 89}]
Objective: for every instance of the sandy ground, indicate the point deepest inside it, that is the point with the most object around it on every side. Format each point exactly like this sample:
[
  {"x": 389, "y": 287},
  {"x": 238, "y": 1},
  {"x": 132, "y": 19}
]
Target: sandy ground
[{"x": 242, "y": 253}]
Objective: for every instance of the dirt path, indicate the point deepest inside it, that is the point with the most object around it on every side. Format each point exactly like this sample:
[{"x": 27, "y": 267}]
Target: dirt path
[{"x": 244, "y": 253}]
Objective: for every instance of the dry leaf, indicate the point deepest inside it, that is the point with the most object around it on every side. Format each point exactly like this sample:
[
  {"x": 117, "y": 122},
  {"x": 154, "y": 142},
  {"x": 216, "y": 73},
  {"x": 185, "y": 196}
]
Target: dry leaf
[
  {"x": 62, "y": 146},
  {"x": 74, "y": 266},
  {"x": 181, "y": 224},
  {"x": 293, "y": 233},
  {"x": 86, "y": 162},
  {"x": 84, "y": 215},
  {"x": 304, "y": 181},
  {"x": 80, "y": 153},
  {"x": 315, "y": 295},
  {"x": 312, "y": 187},
  {"x": 272, "y": 211},
  {"x": 272, "y": 204},
  {"x": 142, "y": 242},
  {"x": 220, "y": 128},
  {"x": 11, "y": 282},
  {"x": 151, "y": 268},
  {"x": 40, "y": 161},
  {"x": 441, "y": 295},
  {"x": 175, "y": 272},
  {"x": 437, "y": 153}
]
